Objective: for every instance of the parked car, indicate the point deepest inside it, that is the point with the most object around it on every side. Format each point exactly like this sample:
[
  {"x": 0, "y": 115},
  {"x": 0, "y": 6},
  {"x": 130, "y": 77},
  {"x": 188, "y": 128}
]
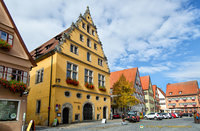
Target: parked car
[
  {"x": 176, "y": 114},
  {"x": 133, "y": 116},
  {"x": 173, "y": 115},
  {"x": 179, "y": 115},
  {"x": 169, "y": 115},
  {"x": 164, "y": 115},
  {"x": 156, "y": 116},
  {"x": 187, "y": 114},
  {"x": 115, "y": 116}
]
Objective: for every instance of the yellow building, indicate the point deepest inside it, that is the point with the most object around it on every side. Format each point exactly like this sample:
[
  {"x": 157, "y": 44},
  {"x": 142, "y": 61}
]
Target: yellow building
[{"x": 71, "y": 80}]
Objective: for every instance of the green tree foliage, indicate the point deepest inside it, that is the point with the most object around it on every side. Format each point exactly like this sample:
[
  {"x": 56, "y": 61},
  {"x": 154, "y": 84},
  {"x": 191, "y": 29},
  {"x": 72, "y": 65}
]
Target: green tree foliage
[{"x": 124, "y": 91}]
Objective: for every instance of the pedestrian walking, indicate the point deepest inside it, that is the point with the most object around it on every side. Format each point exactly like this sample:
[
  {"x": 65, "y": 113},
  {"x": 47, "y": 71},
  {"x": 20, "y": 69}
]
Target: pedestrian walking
[{"x": 123, "y": 119}]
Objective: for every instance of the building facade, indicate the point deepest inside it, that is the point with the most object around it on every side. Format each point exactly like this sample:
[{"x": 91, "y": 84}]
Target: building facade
[
  {"x": 71, "y": 81},
  {"x": 183, "y": 96},
  {"x": 149, "y": 94},
  {"x": 15, "y": 64},
  {"x": 162, "y": 98},
  {"x": 156, "y": 98},
  {"x": 131, "y": 75}
]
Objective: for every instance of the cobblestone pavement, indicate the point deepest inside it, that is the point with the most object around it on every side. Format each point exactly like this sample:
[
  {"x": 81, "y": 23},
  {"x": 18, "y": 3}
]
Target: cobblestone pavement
[{"x": 183, "y": 124}]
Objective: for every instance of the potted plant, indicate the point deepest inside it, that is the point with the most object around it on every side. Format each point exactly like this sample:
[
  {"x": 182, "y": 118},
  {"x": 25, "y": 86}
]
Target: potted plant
[
  {"x": 72, "y": 82},
  {"x": 4, "y": 45},
  {"x": 89, "y": 85},
  {"x": 102, "y": 88}
]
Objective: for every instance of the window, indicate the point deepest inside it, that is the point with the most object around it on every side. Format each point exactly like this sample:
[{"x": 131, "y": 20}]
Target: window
[
  {"x": 95, "y": 46},
  {"x": 74, "y": 49},
  {"x": 78, "y": 95},
  {"x": 104, "y": 99},
  {"x": 9, "y": 110},
  {"x": 81, "y": 38},
  {"x": 88, "y": 42},
  {"x": 6, "y": 37},
  {"x": 88, "y": 28},
  {"x": 83, "y": 25},
  {"x": 88, "y": 76},
  {"x": 77, "y": 117},
  {"x": 101, "y": 80},
  {"x": 100, "y": 62},
  {"x": 97, "y": 98},
  {"x": 38, "y": 105},
  {"x": 88, "y": 97},
  {"x": 13, "y": 74},
  {"x": 170, "y": 93},
  {"x": 67, "y": 93},
  {"x": 180, "y": 92},
  {"x": 39, "y": 76},
  {"x": 72, "y": 71},
  {"x": 88, "y": 56},
  {"x": 93, "y": 32}
]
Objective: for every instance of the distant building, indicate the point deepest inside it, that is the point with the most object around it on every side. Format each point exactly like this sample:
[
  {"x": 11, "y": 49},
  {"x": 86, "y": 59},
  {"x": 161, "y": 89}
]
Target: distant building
[
  {"x": 15, "y": 64},
  {"x": 71, "y": 81},
  {"x": 162, "y": 99},
  {"x": 149, "y": 94},
  {"x": 132, "y": 75},
  {"x": 182, "y": 96},
  {"x": 156, "y": 98}
]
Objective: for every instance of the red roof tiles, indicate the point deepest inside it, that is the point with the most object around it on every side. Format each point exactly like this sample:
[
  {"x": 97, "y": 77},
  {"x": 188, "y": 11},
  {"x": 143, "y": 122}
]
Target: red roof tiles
[
  {"x": 47, "y": 46},
  {"x": 154, "y": 90},
  {"x": 189, "y": 87},
  {"x": 130, "y": 75},
  {"x": 145, "y": 82}
]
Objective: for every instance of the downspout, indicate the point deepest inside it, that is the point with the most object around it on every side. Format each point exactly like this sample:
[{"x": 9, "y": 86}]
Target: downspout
[{"x": 49, "y": 107}]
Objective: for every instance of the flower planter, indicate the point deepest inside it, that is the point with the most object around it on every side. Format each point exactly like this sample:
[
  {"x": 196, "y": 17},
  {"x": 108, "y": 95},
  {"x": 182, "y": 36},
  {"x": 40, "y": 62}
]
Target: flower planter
[
  {"x": 169, "y": 101},
  {"x": 193, "y": 99},
  {"x": 89, "y": 85},
  {"x": 176, "y": 100},
  {"x": 13, "y": 85},
  {"x": 102, "y": 88},
  {"x": 185, "y": 105},
  {"x": 4, "y": 45},
  {"x": 72, "y": 82}
]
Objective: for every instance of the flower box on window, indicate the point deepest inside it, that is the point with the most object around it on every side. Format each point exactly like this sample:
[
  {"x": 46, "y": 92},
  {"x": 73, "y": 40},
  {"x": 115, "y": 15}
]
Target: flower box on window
[
  {"x": 72, "y": 82},
  {"x": 13, "y": 85},
  {"x": 89, "y": 85},
  {"x": 102, "y": 88},
  {"x": 185, "y": 105},
  {"x": 4, "y": 45}
]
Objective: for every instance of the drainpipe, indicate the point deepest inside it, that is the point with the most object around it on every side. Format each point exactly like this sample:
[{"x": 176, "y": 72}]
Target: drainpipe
[{"x": 50, "y": 89}]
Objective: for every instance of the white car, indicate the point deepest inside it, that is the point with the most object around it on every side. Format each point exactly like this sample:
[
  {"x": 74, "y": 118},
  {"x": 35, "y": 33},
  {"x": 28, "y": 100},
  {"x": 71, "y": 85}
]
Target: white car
[{"x": 156, "y": 116}]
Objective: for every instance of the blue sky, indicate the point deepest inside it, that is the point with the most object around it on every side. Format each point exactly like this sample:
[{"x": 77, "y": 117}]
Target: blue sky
[{"x": 160, "y": 37}]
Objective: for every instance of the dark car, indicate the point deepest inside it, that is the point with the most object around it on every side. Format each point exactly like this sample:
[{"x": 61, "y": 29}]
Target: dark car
[
  {"x": 133, "y": 116},
  {"x": 187, "y": 114},
  {"x": 115, "y": 116}
]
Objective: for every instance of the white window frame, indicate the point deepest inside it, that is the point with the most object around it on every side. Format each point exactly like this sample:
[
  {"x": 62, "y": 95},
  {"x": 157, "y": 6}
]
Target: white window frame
[
  {"x": 88, "y": 42},
  {"x": 88, "y": 75},
  {"x": 89, "y": 56},
  {"x": 18, "y": 108},
  {"x": 73, "y": 49},
  {"x": 40, "y": 79},
  {"x": 101, "y": 80},
  {"x": 100, "y": 62},
  {"x": 82, "y": 38},
  {"x": 71, "y": 76}
]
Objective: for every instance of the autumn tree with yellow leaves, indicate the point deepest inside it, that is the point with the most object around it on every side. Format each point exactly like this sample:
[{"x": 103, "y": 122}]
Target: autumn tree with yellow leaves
[{"x": 123, "y": 90}]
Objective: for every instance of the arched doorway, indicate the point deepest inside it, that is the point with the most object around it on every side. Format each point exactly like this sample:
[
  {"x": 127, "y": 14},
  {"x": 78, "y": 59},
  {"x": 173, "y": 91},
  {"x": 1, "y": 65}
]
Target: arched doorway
[
  {"x": 65, "y": 115},
  {"x": 104, "y": 112},
  {"x": 87, "y": 112}
]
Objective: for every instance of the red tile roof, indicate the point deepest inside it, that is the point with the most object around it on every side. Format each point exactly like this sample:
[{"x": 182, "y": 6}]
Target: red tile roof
[
  {"x": 145, "y": 82},
  {"x": 47, "y": 46},
  {"x": 162, "y": 91},
  {"x": 130, "y": 75},
  {"x": 189, "y": 87}
]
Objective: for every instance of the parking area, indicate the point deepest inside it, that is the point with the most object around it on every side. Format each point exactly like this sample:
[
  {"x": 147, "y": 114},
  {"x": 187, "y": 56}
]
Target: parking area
[{"x": 183, "y": 124}]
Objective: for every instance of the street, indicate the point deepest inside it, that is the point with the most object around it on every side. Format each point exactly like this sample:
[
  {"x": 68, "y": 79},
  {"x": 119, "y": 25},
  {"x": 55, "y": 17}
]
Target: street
[{"x": 183, "y": 124}]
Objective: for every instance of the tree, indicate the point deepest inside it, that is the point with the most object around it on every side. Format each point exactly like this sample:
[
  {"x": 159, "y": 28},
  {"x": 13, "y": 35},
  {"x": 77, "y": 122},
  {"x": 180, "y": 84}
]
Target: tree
[{"x": 124, "y": 91}]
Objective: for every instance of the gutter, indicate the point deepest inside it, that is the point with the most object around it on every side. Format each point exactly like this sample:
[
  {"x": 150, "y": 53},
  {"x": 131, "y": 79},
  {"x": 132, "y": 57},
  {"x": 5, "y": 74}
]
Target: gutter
[{"x": 49, "y": 107}]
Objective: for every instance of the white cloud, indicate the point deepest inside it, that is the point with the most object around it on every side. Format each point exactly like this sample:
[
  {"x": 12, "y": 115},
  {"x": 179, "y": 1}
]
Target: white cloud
[
  {"x": 153, "y": 69},
  {"x": 187, "y": 71},
  {"x": 139, "y": 30}
]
